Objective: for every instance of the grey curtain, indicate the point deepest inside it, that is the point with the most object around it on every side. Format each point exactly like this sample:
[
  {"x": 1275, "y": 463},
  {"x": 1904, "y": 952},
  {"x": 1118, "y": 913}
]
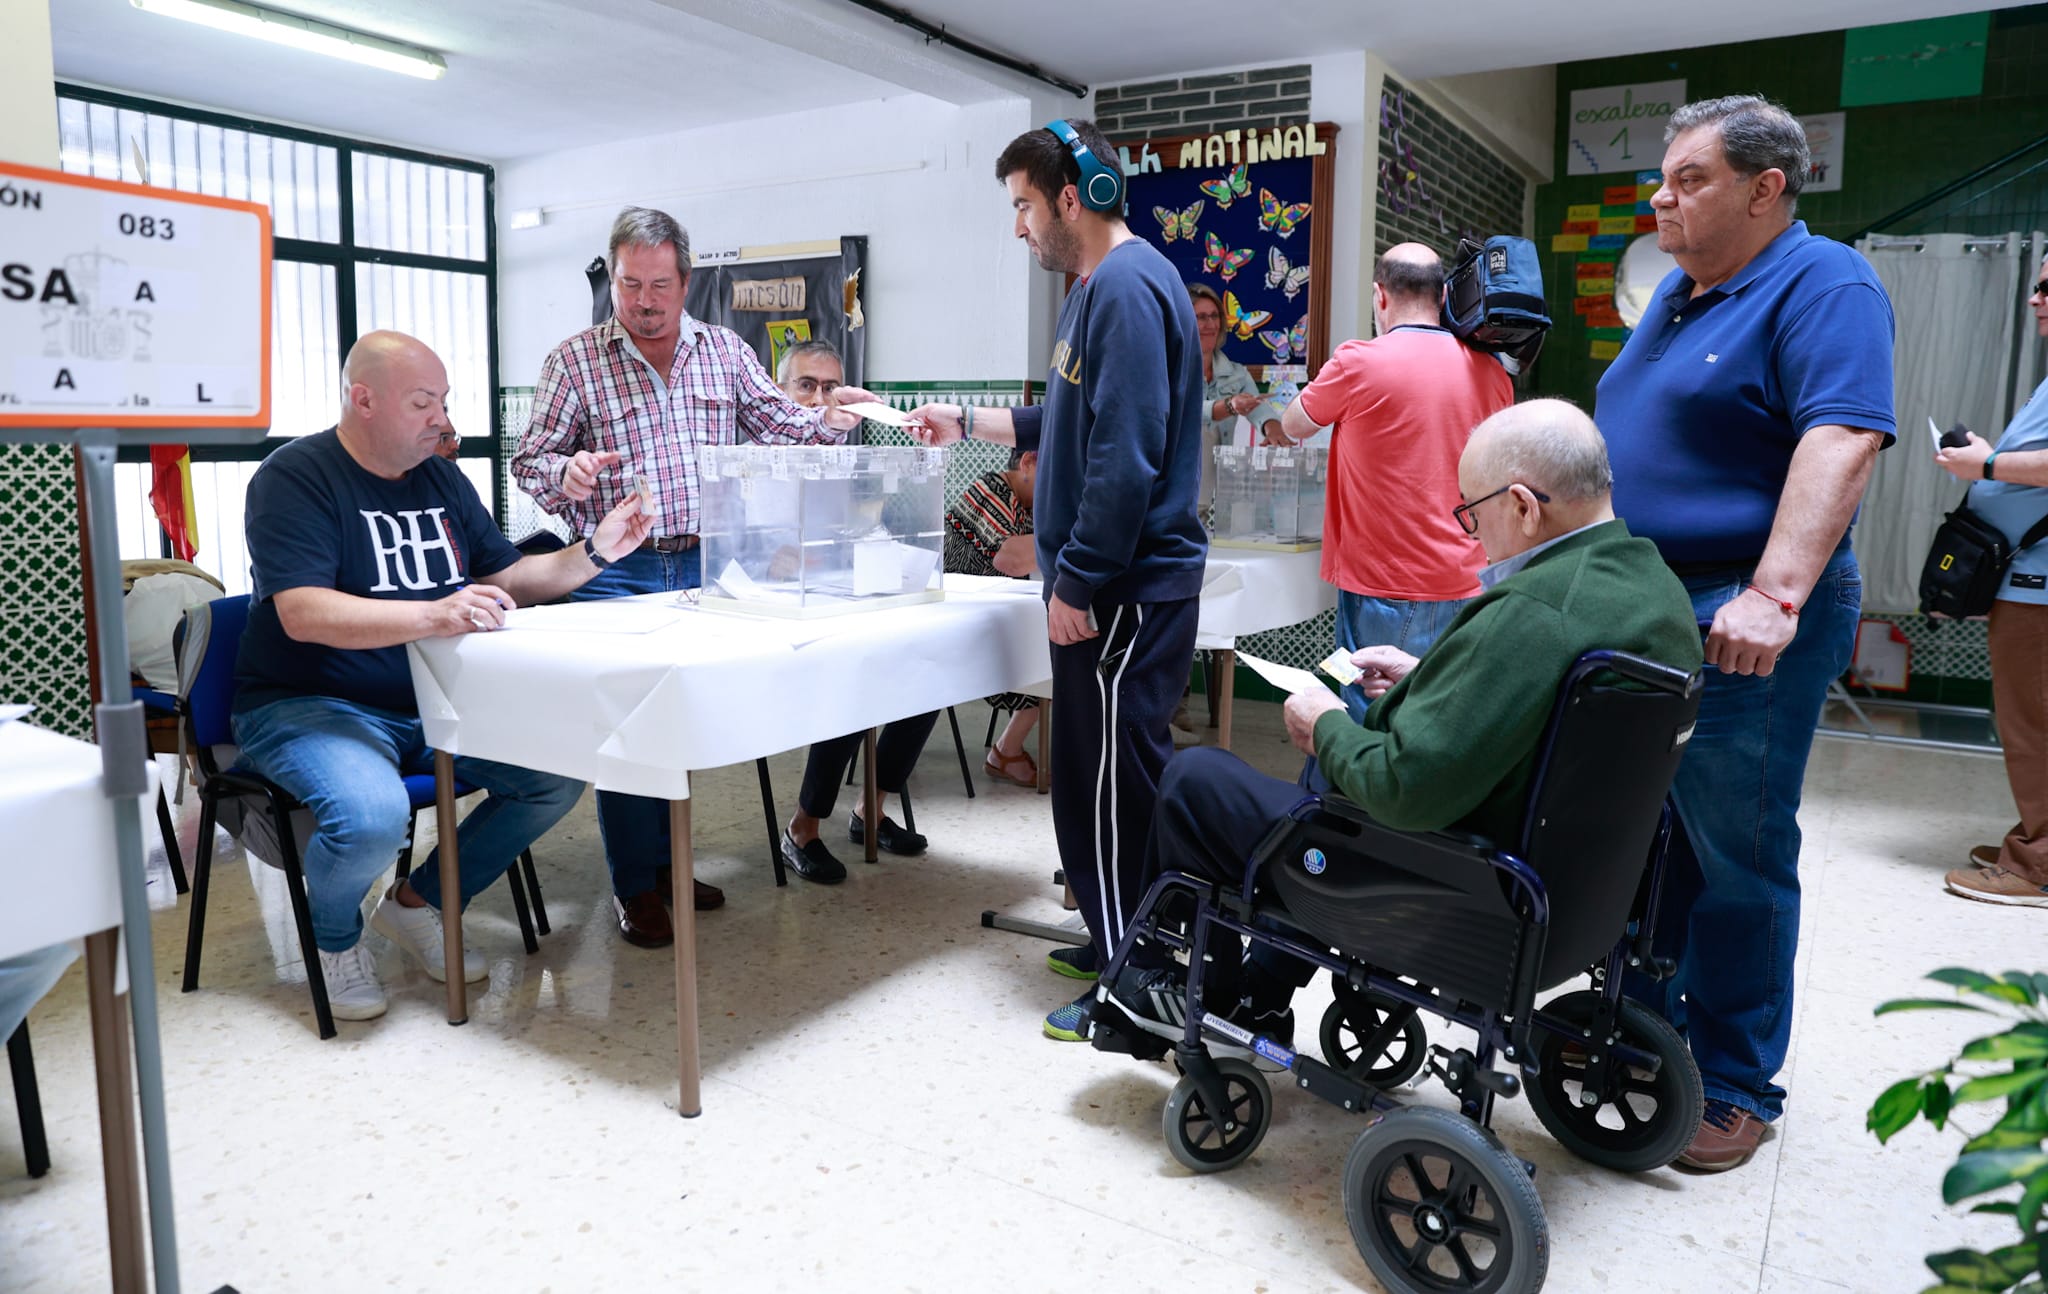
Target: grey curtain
[{"x": 1952, "y": 296}]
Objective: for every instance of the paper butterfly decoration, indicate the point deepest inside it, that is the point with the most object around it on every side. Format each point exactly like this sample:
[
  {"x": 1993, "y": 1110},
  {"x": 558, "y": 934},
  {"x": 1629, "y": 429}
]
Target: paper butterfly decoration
[
  {"x": 1241, "y": 321},
  {"x": 1279, "y": 218},
  {"x": 1228, "y": 189},
  {"x": 1179, "y": 224},
  {"x": 1222, "y": 260},
  {"x": 1287, "y": 342},
  {"x": 1290, "y": 279}
]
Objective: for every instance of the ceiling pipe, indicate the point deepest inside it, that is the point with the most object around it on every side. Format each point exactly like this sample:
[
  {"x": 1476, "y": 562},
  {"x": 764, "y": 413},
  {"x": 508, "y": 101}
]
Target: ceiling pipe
[{"x": 933, "y": 32}]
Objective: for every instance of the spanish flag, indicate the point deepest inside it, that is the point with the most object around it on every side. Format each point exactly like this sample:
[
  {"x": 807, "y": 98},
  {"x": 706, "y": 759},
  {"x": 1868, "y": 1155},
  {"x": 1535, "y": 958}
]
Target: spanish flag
[{"x": 170, "y": 493}]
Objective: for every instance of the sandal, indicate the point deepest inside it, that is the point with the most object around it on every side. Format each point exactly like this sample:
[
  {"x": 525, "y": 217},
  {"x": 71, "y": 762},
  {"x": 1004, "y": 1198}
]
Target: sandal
[{"x": 1004, "y": 768}]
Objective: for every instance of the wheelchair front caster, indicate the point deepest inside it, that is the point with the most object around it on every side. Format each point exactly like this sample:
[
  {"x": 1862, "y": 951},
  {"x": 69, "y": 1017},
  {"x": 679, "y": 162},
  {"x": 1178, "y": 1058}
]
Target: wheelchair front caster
[
  {"x": 1207, "y": 1142},
  {"x": 1347, "y": 1026},
  {"x": 1639, "y": 1120},
  {"x": 1436, "y": 1203}
]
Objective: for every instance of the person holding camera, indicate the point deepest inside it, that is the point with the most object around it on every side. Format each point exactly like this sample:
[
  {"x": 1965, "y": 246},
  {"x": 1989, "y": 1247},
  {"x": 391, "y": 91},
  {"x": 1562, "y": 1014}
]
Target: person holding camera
[{"x": 2009, "y": 489}]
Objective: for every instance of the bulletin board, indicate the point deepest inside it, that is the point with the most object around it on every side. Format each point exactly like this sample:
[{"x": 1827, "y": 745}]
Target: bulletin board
[{"x": 1248, "y": 213}]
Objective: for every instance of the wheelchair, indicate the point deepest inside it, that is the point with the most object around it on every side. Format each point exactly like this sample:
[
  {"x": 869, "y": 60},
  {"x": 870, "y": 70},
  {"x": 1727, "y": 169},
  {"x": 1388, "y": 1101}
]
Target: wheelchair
[{"x": 1465, "y": 930}]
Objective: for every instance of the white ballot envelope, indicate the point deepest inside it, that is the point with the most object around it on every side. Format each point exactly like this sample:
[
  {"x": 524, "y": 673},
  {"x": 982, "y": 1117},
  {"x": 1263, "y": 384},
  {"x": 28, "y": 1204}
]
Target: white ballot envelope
[
  {"x": 1285, "y": 677},
  {"x": 876, "y": 411}
]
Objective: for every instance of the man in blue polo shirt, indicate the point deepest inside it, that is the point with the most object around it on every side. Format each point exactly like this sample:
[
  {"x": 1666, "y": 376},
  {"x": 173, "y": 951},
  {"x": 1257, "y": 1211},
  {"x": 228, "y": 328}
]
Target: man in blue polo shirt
[{"x": 1744, "y": 417}]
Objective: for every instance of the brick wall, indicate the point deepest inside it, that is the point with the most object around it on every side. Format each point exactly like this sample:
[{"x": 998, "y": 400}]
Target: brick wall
[
  {"x": 1435, "y": 182},
  {"x": 1263, "y": 97}
]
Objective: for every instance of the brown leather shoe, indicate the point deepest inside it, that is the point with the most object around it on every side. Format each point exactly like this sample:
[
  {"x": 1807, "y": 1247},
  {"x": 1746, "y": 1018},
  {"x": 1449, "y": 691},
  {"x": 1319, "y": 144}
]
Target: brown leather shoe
[
  {"x": 704, "y": 897},
  {"x": 644, "y": 921},
  {"x": 1728, "y": 1136}
]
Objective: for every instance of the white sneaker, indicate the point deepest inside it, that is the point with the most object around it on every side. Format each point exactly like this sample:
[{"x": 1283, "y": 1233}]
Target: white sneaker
[
  {"x": 418, "y": 932},
  {"x": 353, "y": 992},
  {"x": 1184, "y": 737}
]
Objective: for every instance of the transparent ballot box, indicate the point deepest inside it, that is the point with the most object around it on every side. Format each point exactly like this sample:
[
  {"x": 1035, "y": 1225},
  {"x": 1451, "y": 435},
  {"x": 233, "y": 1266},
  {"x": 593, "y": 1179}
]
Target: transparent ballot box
[
  {"x": 820, "y": 530},
  {"x": 1269, "y": 496}
]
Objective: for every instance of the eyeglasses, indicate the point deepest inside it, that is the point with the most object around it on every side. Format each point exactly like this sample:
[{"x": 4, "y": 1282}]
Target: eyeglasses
[
  {"x": 1470, "y": 524},
  {"x": 2041, "y": 288}
]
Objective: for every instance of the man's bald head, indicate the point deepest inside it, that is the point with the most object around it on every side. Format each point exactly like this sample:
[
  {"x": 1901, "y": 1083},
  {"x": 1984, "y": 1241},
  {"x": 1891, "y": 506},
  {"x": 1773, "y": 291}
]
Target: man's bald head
[
  {"x": 1408, "y": 285},
  {"x": 394, "y": 401},
  {"x": 1547, "y": 445}
]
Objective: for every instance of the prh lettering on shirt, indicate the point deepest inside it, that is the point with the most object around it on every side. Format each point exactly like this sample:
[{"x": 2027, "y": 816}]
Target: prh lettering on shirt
[{"x": 404, "y": 545}]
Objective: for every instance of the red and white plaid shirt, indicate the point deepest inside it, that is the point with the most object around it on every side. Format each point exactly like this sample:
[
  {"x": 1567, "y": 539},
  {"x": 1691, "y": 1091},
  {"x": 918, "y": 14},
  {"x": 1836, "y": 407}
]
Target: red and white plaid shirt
[{"x": 597, "y": 392}]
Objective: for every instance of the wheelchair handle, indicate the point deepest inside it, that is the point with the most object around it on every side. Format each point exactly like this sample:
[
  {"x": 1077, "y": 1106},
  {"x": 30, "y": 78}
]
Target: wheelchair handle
[{"x": 1649, "y": 673}]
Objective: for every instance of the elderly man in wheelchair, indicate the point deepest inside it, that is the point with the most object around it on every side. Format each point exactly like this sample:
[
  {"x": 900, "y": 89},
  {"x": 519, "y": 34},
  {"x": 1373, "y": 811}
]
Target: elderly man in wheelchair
[{"x": 1498, "y": 832}]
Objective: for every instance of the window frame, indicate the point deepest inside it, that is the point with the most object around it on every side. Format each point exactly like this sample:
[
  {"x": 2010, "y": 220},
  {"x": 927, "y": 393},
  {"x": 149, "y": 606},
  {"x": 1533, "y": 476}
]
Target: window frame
[{"x": 345, "y": 255}]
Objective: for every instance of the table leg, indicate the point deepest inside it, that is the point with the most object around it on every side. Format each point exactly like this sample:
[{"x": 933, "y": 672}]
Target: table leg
[
  {"x": 113, "y": 1073},
  {"x": 1226, "y": 693},
  {"x": 1044, "y": 746},
  {"x": 682, "y": 858},
  {"x": 870, "y": 797},
  {"x": 451, "y": 886}
]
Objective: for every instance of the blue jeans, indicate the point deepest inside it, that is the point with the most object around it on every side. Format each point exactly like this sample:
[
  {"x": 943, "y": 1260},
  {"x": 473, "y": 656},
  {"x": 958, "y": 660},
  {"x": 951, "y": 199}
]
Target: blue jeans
[
  {"x": 1393, "y": 622},
  {"x": 1729, "y": 913},
  {"x": 635, "y": 827},
  {"x": 345, "y": 762}
]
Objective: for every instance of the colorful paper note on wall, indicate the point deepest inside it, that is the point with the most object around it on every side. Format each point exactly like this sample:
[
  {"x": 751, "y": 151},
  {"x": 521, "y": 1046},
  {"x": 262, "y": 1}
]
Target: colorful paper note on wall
[
  {"x": 1581, "y": 227},
  {"x": 1609, "y": 240},
  {"x": 1603, "y": 287},
  {"x": 1903, "y": 62},
  {"x": 1645, "y": 209},
  {"x": 1592, "y": 269},
  {"x": 1594, "y": 258},
  {"x": 1607, "y": 317},
  {"x": 1617, "y": 224},
  {"x": 1605, "y": 349},
  {"x": 1582, "y": 211},
  {"x": 1619, "y": 209},
  {"x": 1618, "y": 194},
  {"x": 1586, "y": 305},
  {"x": 1605, "y": 332},
  {"x": 1648, "y": 189},
  {"x": 1649, "y": 177},
  {"x": 1646, "y": 224},
  {"x": 1568, "y": 242}
]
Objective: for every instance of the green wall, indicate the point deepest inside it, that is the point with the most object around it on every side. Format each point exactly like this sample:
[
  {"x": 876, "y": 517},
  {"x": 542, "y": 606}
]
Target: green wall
[{"x": 1894, "y": 154}]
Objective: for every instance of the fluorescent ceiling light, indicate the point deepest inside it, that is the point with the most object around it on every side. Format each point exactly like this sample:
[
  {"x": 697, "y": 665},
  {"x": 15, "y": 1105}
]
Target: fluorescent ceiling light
[{"x": 301, "y": 33}]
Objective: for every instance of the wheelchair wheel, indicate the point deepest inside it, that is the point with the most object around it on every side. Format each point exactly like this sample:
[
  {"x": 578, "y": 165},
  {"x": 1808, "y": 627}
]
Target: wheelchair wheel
[
  {"x": 1643, "y": 1120},
  {"x": 1436, "y": 1203},
  {"x": 1344, "y": 1034},
  {"x": 1199, "y": 1139}
]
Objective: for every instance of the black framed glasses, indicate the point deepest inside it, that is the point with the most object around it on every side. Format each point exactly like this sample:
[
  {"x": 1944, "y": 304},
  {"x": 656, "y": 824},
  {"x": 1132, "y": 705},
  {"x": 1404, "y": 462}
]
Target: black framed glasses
[
  {"x": 1463, "y": 512},
  {"x": 2041, "y": 288}
]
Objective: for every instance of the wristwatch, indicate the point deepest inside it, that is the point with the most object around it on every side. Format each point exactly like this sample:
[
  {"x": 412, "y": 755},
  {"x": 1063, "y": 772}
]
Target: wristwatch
[
  {"x": 1987, "y": 466},
  {"x": 596, "y": 558}
]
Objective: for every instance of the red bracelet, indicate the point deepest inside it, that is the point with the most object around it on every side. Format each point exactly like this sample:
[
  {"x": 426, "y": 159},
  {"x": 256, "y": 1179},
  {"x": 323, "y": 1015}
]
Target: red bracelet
[{"x": 1788, "y": 608}]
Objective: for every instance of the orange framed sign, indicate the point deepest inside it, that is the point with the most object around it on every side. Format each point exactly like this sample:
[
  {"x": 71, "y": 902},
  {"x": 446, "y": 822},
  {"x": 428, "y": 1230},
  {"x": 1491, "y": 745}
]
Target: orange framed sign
[{"x": 127, "y": 306}]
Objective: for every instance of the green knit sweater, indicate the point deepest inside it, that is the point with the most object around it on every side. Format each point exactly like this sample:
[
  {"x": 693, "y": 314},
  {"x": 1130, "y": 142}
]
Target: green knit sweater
[{"x": 1454, "y": 743}]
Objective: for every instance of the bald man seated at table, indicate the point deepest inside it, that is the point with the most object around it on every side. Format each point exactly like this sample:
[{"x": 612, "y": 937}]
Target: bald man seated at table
[{"x": 362, "y": 539}]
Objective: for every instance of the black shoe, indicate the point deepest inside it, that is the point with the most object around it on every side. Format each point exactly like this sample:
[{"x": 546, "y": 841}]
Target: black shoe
[
  {"x": 1154, "y": 1000},
  {"x": 891, "y": 839},
  {"x": 813, "y": 862}
]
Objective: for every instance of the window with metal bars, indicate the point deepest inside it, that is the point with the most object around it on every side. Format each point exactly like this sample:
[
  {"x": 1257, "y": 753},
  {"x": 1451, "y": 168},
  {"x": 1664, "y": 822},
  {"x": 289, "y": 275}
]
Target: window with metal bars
[{"x": 365, "y": 237}]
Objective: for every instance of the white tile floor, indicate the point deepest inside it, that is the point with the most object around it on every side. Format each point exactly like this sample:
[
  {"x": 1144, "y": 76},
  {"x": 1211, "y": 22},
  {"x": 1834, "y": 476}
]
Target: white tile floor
[{"x": 882, "y": 1114}]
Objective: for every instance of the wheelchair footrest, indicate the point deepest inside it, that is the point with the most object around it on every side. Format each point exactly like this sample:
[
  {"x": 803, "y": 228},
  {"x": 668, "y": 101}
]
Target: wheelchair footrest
[{"x": 1318, "y": 1079}]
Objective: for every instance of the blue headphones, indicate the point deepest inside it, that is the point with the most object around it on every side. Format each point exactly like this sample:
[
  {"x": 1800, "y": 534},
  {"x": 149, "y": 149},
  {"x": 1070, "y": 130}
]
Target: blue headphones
[{"x": 1102, "y": 183}]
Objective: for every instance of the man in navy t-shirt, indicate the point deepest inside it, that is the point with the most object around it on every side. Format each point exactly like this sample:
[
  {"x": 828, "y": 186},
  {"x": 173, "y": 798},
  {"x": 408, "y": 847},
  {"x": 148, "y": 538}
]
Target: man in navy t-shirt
[
  {"x": 1744, "y": 417},
  {"x": 1119, "y": 542},
  {"x": 363, "y": 540}
]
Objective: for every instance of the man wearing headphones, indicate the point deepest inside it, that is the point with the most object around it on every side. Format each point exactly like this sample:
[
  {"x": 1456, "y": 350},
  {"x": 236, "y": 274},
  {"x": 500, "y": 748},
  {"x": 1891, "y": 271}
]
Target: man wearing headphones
[{"x": 1120, "y": 546}]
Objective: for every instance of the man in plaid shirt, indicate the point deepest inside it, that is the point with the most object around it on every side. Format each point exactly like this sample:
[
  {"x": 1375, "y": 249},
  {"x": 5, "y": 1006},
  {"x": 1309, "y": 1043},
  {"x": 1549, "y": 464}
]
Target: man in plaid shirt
[{"x": 635, "y": 396}]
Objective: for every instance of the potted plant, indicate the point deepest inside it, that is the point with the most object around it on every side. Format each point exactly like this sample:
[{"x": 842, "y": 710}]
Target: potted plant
[{"x": 2010, "y": 1067}]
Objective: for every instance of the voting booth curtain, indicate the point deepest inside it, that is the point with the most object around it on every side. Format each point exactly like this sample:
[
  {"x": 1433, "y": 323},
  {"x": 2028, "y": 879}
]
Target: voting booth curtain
[{"x": 1959, "y": 303}]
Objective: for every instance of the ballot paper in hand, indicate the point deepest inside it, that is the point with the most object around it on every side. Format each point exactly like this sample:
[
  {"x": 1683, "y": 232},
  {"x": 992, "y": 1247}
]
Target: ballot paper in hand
[
  {"x": 876, "y": 411},
  {"x": 1285, "y": 677}
]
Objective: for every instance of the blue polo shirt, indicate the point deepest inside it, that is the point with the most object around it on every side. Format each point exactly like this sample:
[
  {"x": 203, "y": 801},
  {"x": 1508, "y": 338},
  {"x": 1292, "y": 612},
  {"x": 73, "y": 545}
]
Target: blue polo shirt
[
  {"x": 1711, "y": 394},
  {"x": 2014, "y": 508}
]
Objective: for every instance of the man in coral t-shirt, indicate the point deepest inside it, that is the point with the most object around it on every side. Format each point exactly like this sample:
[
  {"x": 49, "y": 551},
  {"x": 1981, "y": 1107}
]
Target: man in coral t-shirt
[{"x": 1402, "y": 407}]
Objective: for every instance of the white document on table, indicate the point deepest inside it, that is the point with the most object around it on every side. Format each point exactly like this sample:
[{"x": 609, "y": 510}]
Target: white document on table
[
  {"x": 918, "y": 565},
  {"x": 596, "y": 617},
  {"x": 9, "y": 713},
  {"x": 1285, "y": 677}
]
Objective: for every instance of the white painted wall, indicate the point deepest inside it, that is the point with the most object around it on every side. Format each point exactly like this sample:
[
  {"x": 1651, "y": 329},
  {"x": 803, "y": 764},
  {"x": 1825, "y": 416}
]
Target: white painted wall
[
  {"x": 28, "y": 104},
  {"x": 948, "y": 293},
  {"x": 1514, "y": 109}
]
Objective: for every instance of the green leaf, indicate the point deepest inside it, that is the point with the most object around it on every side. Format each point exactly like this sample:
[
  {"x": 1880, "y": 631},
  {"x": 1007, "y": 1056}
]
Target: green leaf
[
  {"x": 2011, "y": 1045},
  {"x": 1924, "y": 1004},
  {"x": 2024, "y": 982},
  {"x": 1992, "y": 1086},
  {"x": 1962, "y": 979},
  {"x": 2012, "y": 993},
  {"x": 1937, "y": 1100},
  {"x": 2027, "y": 1213},
  {"x": 1987, "y": 1170},
  {"x": 1968, "y": 1269},
  {"x": 2005, "y": 1208},
  {"x": 2004, "y": 1138},
  {"x": 2017, "y": 1260},
  {"x": 1895, "y": 1107}
]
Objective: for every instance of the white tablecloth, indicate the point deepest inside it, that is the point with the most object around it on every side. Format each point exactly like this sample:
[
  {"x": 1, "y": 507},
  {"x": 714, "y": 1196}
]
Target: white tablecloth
[
  {"x": 638, "y": 711},
  {"x": 1249, "y": 590},
  {"x": 57, "y": 867}
]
